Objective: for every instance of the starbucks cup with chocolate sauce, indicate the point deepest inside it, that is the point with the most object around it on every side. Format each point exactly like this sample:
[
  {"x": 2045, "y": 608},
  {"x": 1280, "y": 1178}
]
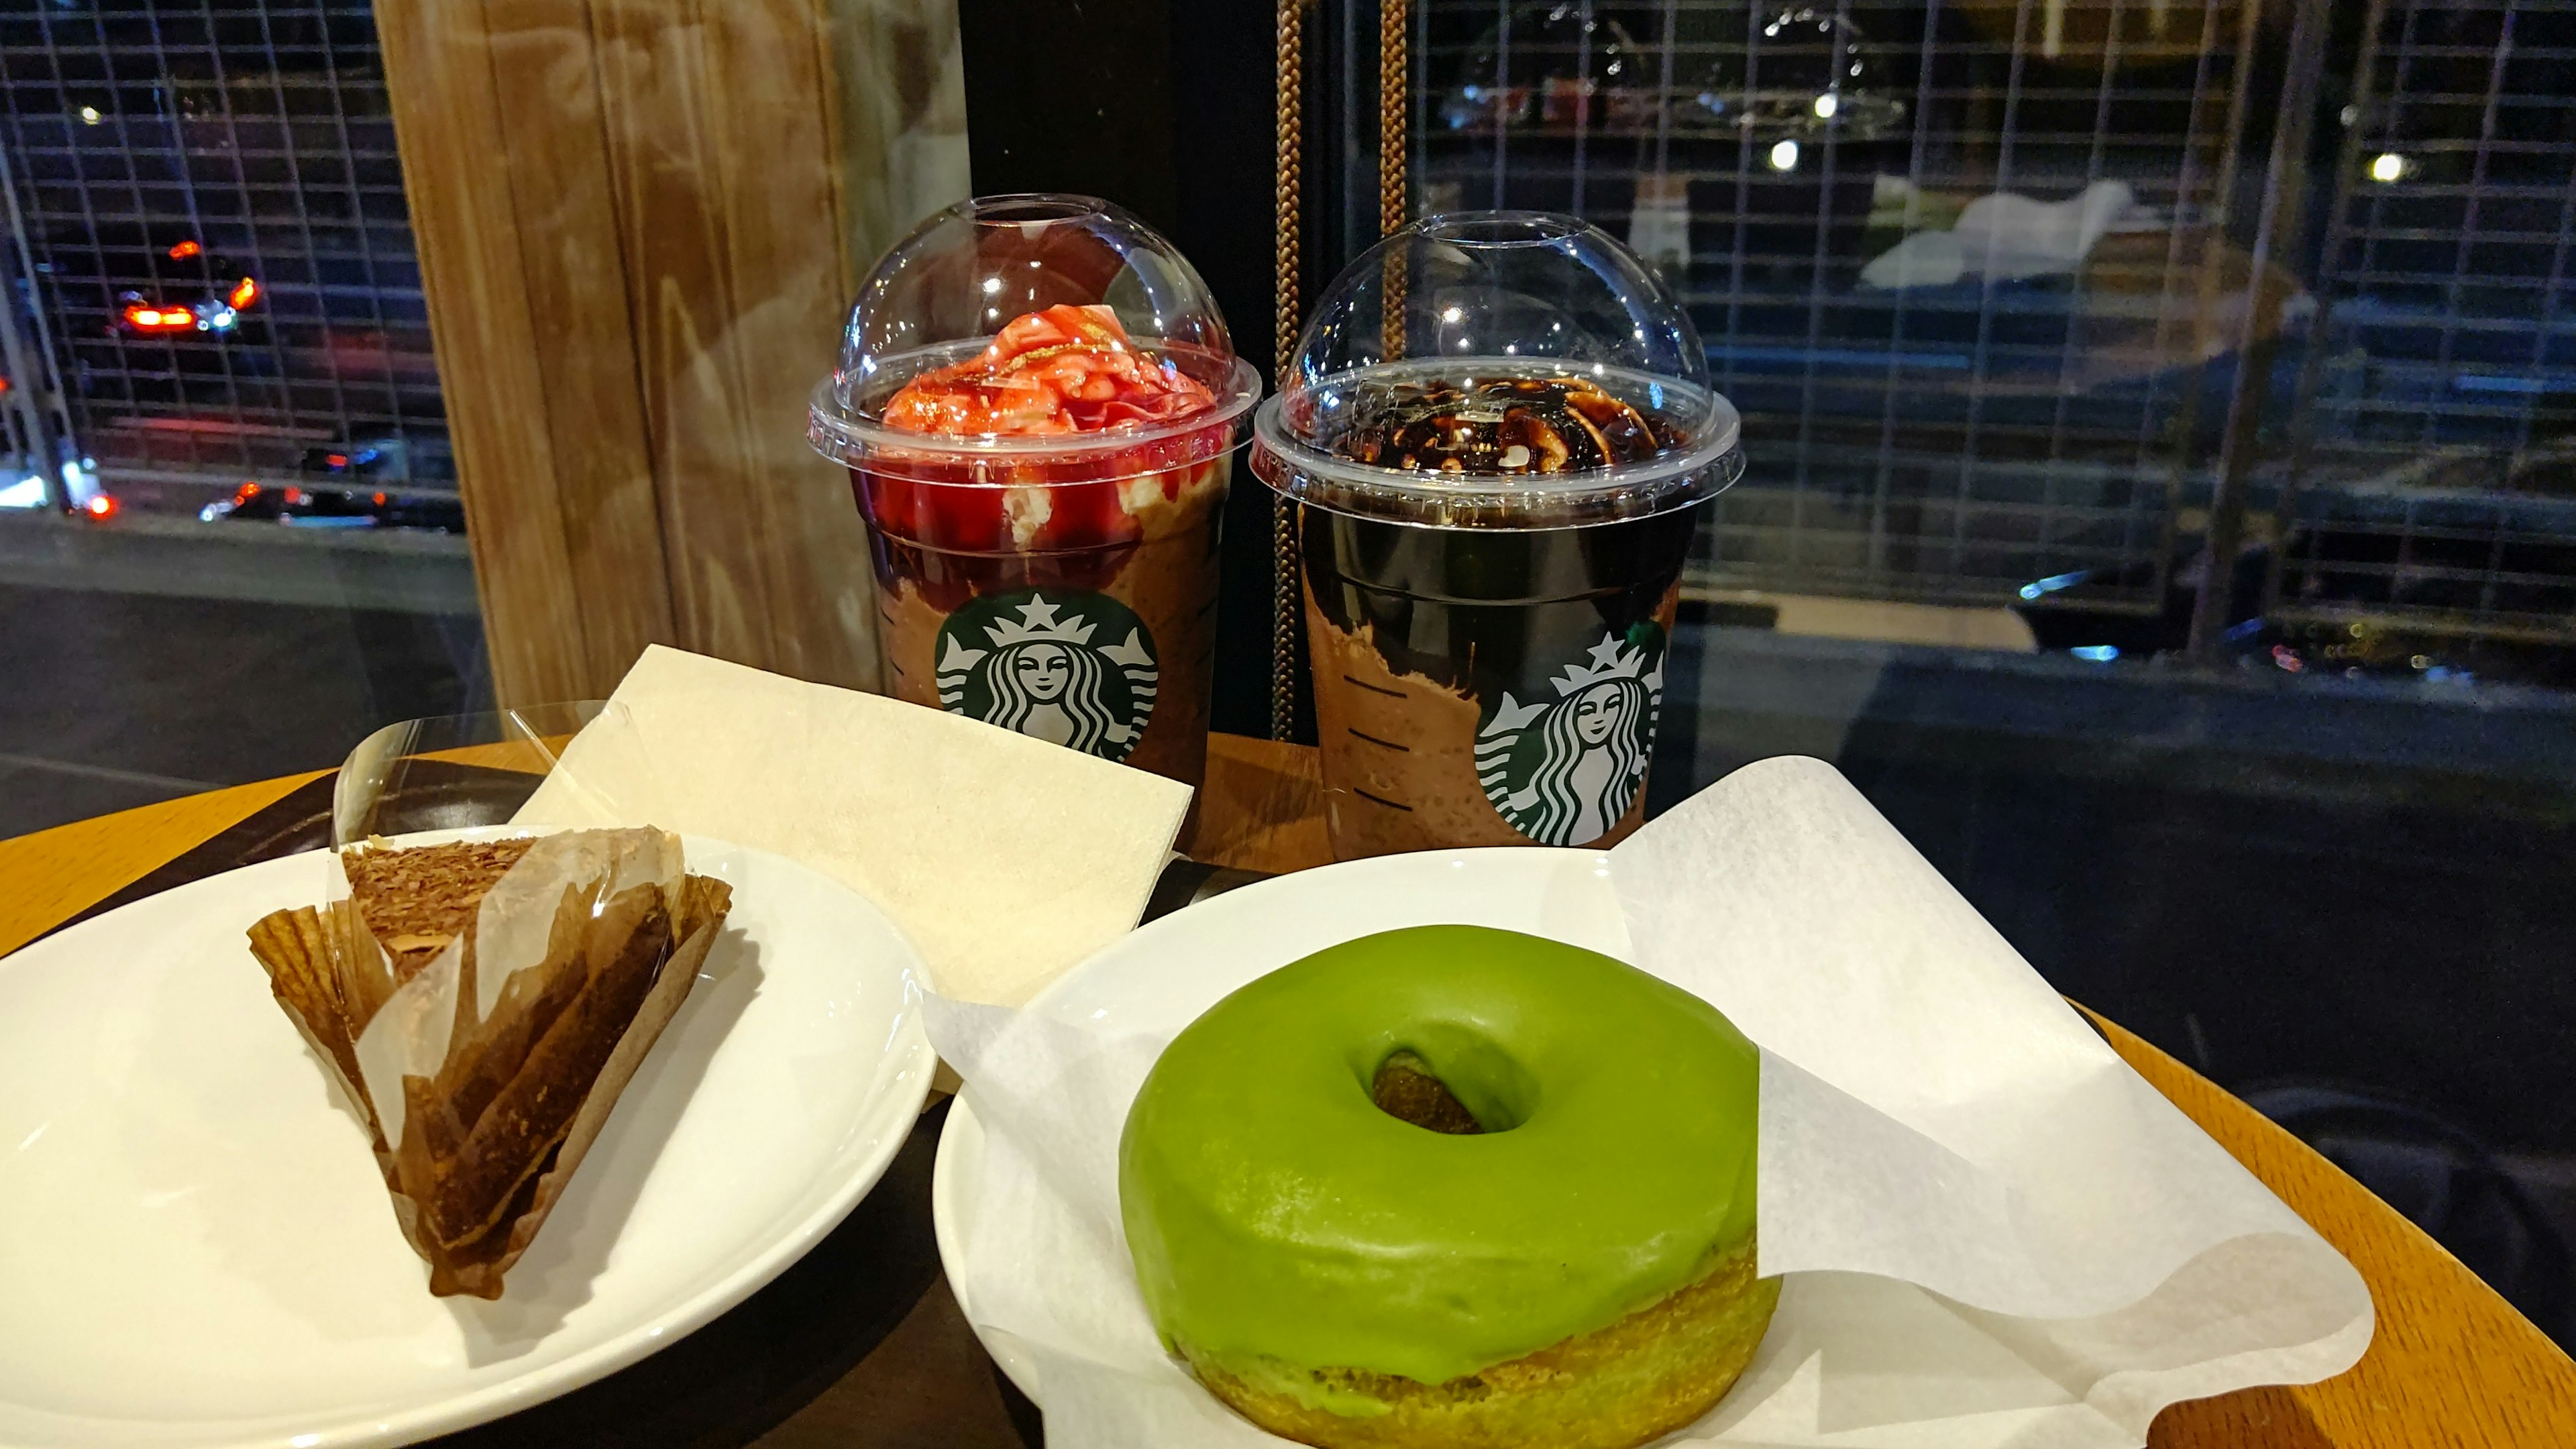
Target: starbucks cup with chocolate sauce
[
  {"x": 1497, "y": 432},
  {"x": 1039, "y": 404}
]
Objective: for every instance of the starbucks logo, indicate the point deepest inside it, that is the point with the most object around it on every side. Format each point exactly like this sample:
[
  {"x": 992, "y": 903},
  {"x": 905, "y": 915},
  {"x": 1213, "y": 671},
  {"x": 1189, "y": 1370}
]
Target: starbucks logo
[
  {"x": 1074, "y": 668},
  {"x": 1563, "y": 771}
]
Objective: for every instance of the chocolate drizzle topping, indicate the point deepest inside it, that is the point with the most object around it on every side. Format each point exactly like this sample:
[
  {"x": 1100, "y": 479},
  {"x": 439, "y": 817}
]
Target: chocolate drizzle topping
[{"x": 1499, "y": 427}]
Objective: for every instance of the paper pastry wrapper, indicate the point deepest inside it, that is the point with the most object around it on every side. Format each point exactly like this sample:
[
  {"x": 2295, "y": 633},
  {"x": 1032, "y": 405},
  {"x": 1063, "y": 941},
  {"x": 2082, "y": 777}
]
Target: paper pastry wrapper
[
  {"x": 1993, "y": 1232},
  {"x": 483, "y": 1078}
]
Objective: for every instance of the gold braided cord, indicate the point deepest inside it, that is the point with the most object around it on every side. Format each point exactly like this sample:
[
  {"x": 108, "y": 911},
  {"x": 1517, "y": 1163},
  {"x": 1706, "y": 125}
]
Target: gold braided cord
[
  {"x": 1291, "y": 175},
  {"x": 1394, "y": 72},
  {"x": 1284, "y": 606}
]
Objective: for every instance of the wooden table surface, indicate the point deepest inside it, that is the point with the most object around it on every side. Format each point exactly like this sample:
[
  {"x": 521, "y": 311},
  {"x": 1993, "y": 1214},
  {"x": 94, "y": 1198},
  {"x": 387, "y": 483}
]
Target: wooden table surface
[{"x": 2451, "y": 1363}]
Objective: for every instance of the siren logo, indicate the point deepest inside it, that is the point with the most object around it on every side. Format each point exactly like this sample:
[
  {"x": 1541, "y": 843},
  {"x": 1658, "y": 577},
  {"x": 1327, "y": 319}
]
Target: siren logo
[
  {"x": 1563, "y": 771},
  {"x": 1074, "y": 668}
]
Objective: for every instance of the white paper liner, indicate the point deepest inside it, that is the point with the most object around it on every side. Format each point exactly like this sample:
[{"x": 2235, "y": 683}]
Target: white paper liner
[{"x": 1994, "y": 1232}]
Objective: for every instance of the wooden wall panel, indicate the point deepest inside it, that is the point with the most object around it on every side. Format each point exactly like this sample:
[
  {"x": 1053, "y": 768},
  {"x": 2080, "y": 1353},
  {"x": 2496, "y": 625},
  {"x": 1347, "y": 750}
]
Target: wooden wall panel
[
  {"x": 637, "y": 248},
  {"x": 524, "y": 513},
  {"x": 720, "y": 119},
  {"x": 556, "y": 156},
  {"x": 792, "y": 286}
]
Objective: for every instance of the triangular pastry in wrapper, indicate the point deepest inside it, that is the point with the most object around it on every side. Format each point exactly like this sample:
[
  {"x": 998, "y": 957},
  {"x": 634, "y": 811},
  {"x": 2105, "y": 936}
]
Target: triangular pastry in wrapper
[{"x": 481, "y": 1005}]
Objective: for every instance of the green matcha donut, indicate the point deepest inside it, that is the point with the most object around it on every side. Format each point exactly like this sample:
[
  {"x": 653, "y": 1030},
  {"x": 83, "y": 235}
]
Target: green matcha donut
[{"x": 1573, "y": 1267}]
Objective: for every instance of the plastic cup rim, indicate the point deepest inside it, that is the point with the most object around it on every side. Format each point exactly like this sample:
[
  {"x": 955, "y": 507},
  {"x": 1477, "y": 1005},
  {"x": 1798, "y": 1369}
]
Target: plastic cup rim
[
  {"x": 1061, "y": 206},
  {"x": 1458, "y": 228},
  {"x": 847, "y": 437},
  {"x": 1402, "y": 486}
]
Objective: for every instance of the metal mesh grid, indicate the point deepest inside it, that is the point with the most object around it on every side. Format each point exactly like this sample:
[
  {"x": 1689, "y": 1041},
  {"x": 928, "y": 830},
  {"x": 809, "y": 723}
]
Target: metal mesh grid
[
  {"x": 1948, "y": 439},
  {"x": 260, "y": 133},
  {"x": 2438, "y": 541},
  {"x": 2444, "y": 493},
  {"x": 2448, "y": 254}
]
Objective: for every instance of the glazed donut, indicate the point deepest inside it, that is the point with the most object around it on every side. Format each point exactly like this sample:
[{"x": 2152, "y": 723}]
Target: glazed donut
[{"x": 1452, "y": 1186}]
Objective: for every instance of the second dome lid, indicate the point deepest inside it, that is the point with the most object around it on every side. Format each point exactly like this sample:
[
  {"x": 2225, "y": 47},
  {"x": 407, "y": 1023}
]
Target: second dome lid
[{"x": 1498, "y": 369}]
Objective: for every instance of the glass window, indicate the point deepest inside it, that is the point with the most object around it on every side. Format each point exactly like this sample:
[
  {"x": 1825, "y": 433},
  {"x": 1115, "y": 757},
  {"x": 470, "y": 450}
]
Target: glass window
[
  {"x": 230, "y": 537},
  {"x": 2161, "y": 499}
]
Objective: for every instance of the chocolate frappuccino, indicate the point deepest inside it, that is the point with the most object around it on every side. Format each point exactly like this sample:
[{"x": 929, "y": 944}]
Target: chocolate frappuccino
[
  {"x": 1496, "y": 434},
  {"x": 1038, "y": 405}
]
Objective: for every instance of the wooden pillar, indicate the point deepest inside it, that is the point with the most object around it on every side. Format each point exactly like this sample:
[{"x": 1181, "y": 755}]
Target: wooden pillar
[{"x": 637, "y": 239}]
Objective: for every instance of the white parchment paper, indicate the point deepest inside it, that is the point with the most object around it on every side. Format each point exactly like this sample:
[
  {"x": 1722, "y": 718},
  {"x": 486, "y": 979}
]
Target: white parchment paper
[{"x": 1994, "y": 1233}]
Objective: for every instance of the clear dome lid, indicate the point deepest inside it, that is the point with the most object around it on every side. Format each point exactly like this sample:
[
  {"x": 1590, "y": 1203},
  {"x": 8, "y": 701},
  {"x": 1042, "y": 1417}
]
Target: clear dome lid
[
  {"x": 1500, "y": 369},
  {"x": 1554, "y": 64},
  {"x": 1032, "y": 338},
  {"x": 1799, "y": 72}
]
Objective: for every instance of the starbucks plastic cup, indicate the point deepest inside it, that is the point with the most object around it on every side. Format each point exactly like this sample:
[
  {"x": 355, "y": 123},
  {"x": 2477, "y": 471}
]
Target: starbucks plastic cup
[
  {"x": 1038, "y": 404},
  {"x": 1497, "y": 430}
]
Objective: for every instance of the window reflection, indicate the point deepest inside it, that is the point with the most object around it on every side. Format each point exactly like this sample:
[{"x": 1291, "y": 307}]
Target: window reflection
[{"x": 2161, "y": 498}]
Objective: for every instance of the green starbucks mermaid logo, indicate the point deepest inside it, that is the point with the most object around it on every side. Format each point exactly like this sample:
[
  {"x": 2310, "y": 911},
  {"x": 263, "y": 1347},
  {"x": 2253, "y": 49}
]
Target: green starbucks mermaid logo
[
  {"x": 1564, "y": 771},
  {"x": 1074, "y": 668}
]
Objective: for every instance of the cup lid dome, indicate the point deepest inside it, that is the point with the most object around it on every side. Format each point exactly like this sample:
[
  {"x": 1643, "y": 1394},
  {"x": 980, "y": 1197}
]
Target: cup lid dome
[
  {"x": 1503, "y": 369},
  {"x": 1798, "y": 72},
  {"x": 1034, "y": 276}
]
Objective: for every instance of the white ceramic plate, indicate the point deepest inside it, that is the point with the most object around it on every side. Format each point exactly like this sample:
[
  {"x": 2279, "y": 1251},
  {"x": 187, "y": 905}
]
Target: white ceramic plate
[
  {"x": 1161, "y": 977},
  {"x": 196, "y": 1249}
]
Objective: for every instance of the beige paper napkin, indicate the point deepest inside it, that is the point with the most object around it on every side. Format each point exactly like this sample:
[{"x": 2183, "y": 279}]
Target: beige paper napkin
[{"x": 1005, "y": 858}]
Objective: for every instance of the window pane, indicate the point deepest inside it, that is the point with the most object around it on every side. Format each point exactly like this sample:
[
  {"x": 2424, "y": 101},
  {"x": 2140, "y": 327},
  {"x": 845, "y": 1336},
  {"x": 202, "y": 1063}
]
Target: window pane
[
  {"x": 233, "y": 542},
  {"x": 2033, "y": 310}
]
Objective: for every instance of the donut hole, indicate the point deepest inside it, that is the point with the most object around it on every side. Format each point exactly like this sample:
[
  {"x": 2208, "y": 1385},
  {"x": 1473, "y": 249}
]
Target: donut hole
[
  {"x": 1452, "y": 1081},
  {"x": 1406, "y": 1090}
]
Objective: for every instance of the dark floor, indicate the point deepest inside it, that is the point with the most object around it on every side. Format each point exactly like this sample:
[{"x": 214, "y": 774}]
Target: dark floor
[
  {"x": 929, "y": 1386},
  {"x": 111, "y": 700}
]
